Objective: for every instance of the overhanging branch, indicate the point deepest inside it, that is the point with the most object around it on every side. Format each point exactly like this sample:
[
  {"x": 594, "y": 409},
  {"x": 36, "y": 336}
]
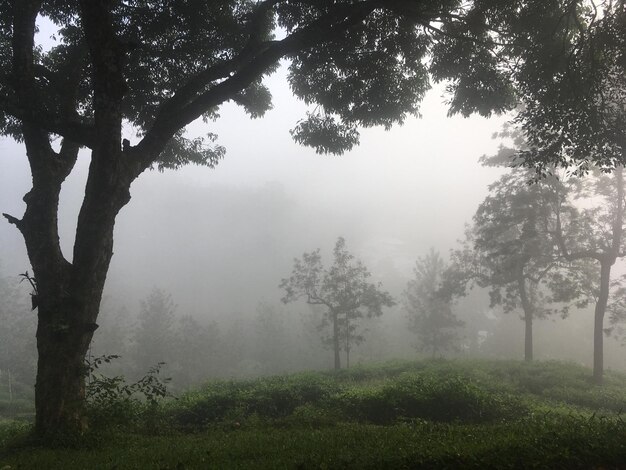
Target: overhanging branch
[
  {"x": 239, "y": 73},
  {"x": 77, "y": 132}
]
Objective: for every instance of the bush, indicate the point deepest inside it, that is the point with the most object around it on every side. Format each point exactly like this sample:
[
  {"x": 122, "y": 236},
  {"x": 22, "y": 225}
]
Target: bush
[
  {"x": 427, "y": 397},
  {"x": 113, "y": 401},
  {"x": 268, "y": 398}
]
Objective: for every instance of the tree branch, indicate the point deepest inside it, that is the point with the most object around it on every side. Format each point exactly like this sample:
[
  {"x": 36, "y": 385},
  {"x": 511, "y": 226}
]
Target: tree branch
[
  {"x": 12, "y": 220},
  {"x": 240, "y": 72},
  {"x": 75, "y": 131}
]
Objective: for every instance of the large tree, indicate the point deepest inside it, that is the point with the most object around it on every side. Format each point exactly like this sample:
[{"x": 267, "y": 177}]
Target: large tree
[
  {"x": 158, "y": 66},
  {"x": 343, "y": 290}
]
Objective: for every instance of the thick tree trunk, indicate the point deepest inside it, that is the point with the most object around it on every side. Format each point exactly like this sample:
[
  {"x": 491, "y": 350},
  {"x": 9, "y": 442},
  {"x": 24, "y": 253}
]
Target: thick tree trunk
[
  {"x": 336, "y": 341},
  {"x": 68, "y": 295},
  {"x": 60, "y": 386},
  {"x": 598, "y": 324},
  {"x": 528, "y": 318}
]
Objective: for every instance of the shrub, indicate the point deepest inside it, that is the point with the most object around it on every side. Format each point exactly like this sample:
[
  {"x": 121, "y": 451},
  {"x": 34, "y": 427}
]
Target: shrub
[
  {"x": 427, "y": 397},
  {"x": 113, "y": 401}
]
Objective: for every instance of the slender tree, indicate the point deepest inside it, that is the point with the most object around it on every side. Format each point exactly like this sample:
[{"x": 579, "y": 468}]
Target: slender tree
[
  {"x": 516, "y": 253},
  {"x": 343, "y": 290}
]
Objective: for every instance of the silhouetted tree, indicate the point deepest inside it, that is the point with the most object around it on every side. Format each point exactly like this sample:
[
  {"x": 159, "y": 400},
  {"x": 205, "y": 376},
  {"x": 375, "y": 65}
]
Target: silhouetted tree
[{"x": 343, "y": 290}]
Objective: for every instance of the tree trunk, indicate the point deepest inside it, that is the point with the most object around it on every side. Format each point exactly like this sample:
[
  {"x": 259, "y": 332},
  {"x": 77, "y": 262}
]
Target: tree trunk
[
  {"x": 336, "y": 341},
  {"x": 347, "y": 342},
  {"x": 528, "y": 318},
  {"x": 528, "y": 337},
  {"x": 60, "y": 387},
  {"x": 598, "y": 324}
]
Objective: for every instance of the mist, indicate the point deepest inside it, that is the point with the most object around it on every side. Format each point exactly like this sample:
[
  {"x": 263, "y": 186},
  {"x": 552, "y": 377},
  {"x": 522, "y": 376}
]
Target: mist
[{"x": 219, "y": 241}]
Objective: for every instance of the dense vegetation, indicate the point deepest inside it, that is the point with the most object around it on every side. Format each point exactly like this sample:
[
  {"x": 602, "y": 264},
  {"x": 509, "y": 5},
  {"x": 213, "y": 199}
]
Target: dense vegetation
[{"x": 426, "y": 414}]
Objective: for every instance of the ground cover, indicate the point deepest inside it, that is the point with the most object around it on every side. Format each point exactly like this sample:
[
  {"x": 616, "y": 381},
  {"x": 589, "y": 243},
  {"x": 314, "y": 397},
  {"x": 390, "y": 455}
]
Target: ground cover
[{"x": 423, "y": 414}]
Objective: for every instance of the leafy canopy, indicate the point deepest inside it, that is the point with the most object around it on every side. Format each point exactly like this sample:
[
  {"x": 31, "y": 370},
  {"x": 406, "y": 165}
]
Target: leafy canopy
[{"x": 356, "y": 63}]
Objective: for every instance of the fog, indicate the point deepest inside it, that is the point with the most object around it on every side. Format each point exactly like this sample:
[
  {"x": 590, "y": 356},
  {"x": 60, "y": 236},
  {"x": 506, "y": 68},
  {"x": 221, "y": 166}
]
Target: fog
[{"x": 220, "y": 240}]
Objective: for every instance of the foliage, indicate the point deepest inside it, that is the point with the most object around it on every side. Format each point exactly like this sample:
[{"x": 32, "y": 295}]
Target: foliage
[
  {"x": 501, "y": 415},
  {"x": 573, "y": 87},
  {"x": 429, "y": 306},
  {"x": 113, "y": 401}
]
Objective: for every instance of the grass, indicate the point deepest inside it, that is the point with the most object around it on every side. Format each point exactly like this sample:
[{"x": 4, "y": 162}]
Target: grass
[{"x": 426, "y": 414}]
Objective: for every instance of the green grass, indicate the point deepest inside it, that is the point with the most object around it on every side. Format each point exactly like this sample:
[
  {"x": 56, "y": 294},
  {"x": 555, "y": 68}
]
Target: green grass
[{"x": 427, "y": 414}]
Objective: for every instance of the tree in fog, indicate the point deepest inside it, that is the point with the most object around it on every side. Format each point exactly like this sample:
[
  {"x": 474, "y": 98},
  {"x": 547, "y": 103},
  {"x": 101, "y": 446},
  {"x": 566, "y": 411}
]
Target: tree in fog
[
  {"x": 154, "y": 335},
  {"x": 573, "y": 116},
  {"x": 194, "y": 351},
  {"x": 594, "y": 233},
  {"x": 158, "y": 67},
  {"x": 273, "y": 348},
  {"x": 429, "y": 307},
  {"x": 516, "y": 254},
  {"x": 343, "y": 290}
]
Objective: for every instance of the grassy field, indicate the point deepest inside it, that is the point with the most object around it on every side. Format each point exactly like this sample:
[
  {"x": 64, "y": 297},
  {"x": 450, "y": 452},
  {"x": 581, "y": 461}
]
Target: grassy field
[{"x": 401, "y": 415}]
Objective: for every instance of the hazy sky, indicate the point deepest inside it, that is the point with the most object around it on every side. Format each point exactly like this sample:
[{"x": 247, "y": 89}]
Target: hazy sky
[{"x": 396, "y": 195}]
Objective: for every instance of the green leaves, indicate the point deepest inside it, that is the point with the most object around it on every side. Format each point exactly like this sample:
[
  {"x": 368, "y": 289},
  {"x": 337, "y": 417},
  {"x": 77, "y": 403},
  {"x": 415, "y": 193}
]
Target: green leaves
[
  {"x": 325, "y": 134},
  {"x": 181, "y": 151}
]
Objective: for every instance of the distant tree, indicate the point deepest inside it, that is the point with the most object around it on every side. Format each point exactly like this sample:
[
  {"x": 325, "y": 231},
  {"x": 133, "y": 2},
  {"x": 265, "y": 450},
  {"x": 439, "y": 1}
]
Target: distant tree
[
  {"x": 343, "y": 290},
  {"x": 194, "y": 353},
  {"x": 516, "y": 252},
  {"x": 272, "y": 339},
  {"x": 429, "y": 308},
  {"x": 154, "y": 335}
]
